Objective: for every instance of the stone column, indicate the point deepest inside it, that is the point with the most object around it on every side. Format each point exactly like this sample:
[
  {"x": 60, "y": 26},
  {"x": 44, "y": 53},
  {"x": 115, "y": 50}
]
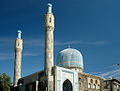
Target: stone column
[
  {"x": 37, "y": 83},
  {"x": 18, "y": 58},
  {"x": 49, "y": 47}
]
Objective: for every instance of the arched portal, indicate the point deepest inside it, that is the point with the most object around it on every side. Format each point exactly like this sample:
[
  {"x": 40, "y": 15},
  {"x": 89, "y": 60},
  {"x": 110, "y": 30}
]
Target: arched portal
[{"x": 67, "y": 86}]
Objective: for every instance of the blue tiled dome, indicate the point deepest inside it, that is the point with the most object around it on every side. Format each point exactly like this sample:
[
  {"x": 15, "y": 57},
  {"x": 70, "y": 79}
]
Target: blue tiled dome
[{"x": 70, "y": 58}]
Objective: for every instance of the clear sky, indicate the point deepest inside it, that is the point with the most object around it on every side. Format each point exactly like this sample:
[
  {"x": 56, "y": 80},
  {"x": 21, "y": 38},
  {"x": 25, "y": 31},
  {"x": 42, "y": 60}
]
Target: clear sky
[{"x": 91, "y": 26}]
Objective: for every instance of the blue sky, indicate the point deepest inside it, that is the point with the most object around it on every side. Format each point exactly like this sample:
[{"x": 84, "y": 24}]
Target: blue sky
[{"x": 91, "y": 26}]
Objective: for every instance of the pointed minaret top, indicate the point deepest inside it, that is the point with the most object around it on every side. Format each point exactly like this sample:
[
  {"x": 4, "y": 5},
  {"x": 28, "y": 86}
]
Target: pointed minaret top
[
  {"x": 49, "y": 8},
  {"x": 19, "y": 34},
  {"x": 68, "y": 45}
]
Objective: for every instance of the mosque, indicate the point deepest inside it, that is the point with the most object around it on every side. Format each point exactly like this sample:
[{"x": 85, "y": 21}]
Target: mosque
[{"x": 66, "y": 75}]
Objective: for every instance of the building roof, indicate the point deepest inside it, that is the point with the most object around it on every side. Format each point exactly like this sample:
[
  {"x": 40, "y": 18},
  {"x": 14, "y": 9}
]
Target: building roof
[{"x": 70, "y": 58}]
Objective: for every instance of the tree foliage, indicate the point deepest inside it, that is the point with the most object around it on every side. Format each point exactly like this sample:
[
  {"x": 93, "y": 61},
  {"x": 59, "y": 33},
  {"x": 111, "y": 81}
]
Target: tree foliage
[{"x": 5, "y": 82}]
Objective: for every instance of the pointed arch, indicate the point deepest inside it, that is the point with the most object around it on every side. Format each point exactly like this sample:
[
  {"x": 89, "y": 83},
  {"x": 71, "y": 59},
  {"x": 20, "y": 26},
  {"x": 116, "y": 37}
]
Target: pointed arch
[{"x": 67, "y": 85}]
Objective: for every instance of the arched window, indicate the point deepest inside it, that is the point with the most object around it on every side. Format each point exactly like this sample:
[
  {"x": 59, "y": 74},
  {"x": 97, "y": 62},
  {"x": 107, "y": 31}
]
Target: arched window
[
  {"x": 67, "y": 86},
  {"x": 94, "y": 86},
  {"x": 91, "y": 80},
  {"x": 89, "y": 85},
  {"x": 96, "y": 81}
]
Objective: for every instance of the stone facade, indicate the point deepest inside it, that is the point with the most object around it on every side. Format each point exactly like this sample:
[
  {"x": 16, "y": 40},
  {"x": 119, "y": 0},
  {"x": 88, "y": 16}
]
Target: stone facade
[
  {"x": 18, "y": 58},
  {"x": 49, "y": 46},
  {"x": 89, "y": 82},
  {"x": 111, "y": 85},
  {"x": 79, "y": 81}
]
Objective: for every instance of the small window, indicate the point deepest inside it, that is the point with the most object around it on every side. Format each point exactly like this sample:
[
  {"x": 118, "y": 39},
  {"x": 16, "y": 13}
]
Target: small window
[
  {"x": 94, "y": 86},
  {"x": 91, "y": 80},
  {"x": 96, "y": 81},
  {"x": 18, "y": 44},
  {"x": 89, "y": 85},
  {"x": 79, "y": 79},
  {"x": 50, "y": 20}
]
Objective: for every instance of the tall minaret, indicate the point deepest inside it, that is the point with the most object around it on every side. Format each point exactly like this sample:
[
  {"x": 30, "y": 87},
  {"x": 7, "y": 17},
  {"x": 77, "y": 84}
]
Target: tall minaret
[
  {"x": 49, "y": 46},
  {"x": 18, "y": 58}
]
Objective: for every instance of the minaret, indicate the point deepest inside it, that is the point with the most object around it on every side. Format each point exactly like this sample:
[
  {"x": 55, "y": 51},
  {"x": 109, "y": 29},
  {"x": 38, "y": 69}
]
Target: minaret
[
  {"x": 18, "y": 58},
  {"x": 49, "y": 46}
]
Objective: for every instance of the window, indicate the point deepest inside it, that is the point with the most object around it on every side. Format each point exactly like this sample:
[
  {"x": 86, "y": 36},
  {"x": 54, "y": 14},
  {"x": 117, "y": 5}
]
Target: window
[
  {"x": 94, "y": 86},
  {"x": 91, "y": 80},
  {"x": 18, "y": 44},
  {"x": 50, "y": 20},
  {"x": 96, "y": 81},
  {"x": 79, "y": 79},
  {"x": 89, "y": 85}
]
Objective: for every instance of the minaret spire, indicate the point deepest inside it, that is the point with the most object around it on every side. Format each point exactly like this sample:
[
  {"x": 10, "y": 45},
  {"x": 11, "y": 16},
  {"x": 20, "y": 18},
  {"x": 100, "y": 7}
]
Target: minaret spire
[
  {"x": 49, "y": 8},
  {"x": 19, "y": 34},
  {"x": 49, "y": 47},
  {"x": 18, "y": 57}
]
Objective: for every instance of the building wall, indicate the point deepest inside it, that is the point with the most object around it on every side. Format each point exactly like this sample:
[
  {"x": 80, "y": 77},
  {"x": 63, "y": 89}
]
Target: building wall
[
  {"x": 89, "y": 82},
  {"x": 62, "y": 75},
  {"x": 78, "y": 80},
  {"x": 112, "y": 85}
]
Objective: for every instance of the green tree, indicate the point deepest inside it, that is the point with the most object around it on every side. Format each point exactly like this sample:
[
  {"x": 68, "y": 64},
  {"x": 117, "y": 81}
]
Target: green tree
[{"x": 5, "y": 82}]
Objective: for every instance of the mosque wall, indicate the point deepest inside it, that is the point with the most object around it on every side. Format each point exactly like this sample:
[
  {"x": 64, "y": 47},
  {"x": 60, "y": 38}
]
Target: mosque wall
[
  {"x": 62, "y": 75},
  {"x": 89, "y": 82}
]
